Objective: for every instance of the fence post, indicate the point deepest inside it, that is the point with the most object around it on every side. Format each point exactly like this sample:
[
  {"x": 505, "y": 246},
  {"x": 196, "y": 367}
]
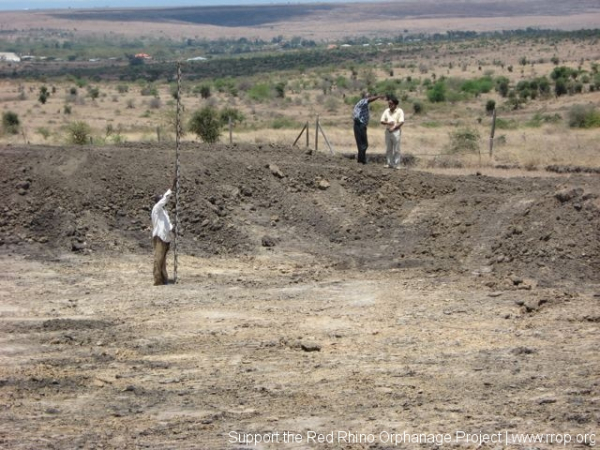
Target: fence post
[
  {"x": 300, "y": 135},
  {"x": 316, "y": 135},
  {"x": 326, "y": 140},
  {"x": 230, "y": 131},
  {"x": 492, "y": 133}
]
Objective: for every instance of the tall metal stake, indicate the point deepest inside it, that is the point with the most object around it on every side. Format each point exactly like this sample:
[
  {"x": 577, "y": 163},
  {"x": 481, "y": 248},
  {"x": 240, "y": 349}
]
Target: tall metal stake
[{"x": 177, "y": 170}]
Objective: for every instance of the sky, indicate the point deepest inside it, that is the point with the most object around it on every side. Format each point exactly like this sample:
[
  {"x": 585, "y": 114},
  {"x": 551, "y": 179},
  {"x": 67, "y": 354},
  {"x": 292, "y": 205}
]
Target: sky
[{"x": 12, "y": 5}]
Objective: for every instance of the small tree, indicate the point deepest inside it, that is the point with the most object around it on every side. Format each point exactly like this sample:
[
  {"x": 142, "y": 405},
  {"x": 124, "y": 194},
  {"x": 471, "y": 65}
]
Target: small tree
[
  {"x": 10, "y": 122},
  {"x": 205, "y": 91},
  {"x": 206, "y": 124},
  {"x": 231, "y": 113},
  {"x": 44, "y": 94},
  {"x": 280, "y": 89},
  {"x": 78, "y": 133}
]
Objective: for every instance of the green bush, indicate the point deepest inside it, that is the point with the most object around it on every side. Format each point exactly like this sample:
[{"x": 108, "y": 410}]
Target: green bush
[
  {"x": 10, "y": 122},
  {"x": 479, "y": 86},
  {"x": 464, "y": 140},
  {"x": 584, "y": 116},
  {"x": 437, "y": 93},
  {"x": 44, "y": 94},
  {"x": 206, "y": 124},
  {"x": 79, "y": 133},
  {"x": 260, "y": 92},
  {"x": 235, "y": 115}
]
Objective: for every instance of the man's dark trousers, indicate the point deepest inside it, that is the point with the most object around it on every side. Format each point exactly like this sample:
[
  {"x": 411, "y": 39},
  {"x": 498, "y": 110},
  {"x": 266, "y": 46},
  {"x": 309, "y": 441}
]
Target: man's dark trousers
[{"x": 360, "y": 134}]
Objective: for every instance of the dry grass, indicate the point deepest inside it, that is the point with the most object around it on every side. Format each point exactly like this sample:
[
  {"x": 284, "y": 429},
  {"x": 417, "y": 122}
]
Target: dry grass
[{"x": 132, "y": 116}]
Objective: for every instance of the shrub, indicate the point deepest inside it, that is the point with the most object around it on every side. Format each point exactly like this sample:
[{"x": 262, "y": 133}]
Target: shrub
[
  {"x": 79, "y": 133},
  {"x": 94, "y": 92},
  {"x": 539, "y": 119},
  {"x": 465, "y": 140},
  {"x": 44, "y": 132},
  {"x": 228, "y": 112},
  {"x": 205, "y": 91},
  {"x": 417, "y": 107},
  {"x": 154, "y": 103},
  {"x": 502, "y": 86},
  {"x": 260, "y": 92},
  {"x": 206, "y": 124},
  {"x": 584, "y": 116},
  {"x": 44, "y": 94},
  {"x": 490, "y": 106},
  {"x": 10, "y": 122},
  {"x": 437, "y": 93},
  {"x": 280, "y": 89},
  {"x": 479, "y": 86}
]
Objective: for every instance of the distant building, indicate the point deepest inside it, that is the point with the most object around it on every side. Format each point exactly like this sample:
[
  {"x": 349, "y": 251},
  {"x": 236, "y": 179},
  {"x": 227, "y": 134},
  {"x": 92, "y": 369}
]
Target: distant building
[
  {"x": 143, "y": 56},
  {"x": 196, "y": 58},
  {"x": 10, "y": 57}
]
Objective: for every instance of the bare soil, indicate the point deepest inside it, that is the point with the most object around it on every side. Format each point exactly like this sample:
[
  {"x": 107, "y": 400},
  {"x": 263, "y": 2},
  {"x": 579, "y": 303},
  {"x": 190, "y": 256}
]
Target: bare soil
[{"x": 314, "y": 295}]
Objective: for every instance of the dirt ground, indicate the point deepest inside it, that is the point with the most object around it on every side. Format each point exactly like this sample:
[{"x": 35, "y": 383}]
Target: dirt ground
[{"x": 319, "y": 303}]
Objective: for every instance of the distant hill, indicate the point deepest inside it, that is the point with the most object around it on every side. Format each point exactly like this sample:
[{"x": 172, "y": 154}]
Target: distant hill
[{"x": 316, "y": 21}]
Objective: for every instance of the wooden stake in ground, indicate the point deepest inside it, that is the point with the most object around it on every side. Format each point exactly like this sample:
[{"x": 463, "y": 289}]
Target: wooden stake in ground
[
  {"x": 492, "y": 133},
  {"x": 177, "y": 170}
]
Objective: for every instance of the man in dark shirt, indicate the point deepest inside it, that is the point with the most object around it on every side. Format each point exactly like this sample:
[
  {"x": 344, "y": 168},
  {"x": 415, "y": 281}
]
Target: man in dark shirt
[{"x": 360, "y": 114}]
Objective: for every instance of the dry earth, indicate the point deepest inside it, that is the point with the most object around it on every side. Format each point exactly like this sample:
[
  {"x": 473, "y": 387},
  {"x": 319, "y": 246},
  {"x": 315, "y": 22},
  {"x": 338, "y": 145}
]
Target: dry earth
[{"x": 313, "y": 296}]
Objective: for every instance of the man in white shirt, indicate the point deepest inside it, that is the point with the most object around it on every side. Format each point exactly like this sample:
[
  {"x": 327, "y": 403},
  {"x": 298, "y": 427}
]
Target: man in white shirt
[
  {"x": 162, "y": 235},
  {"x": 393, "y": 119}
]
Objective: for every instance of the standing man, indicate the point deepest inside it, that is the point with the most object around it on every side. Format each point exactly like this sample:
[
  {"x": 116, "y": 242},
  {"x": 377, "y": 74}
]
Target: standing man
[
  {"x": 360, "y": 114},
  {"x": 162, "y": 235},
  {"x": 393, "y": 119}
]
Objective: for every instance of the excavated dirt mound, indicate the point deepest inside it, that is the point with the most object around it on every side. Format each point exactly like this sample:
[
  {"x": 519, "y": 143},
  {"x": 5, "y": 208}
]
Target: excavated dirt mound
[
  {"x": 319, "y": 304},
  {"x": 236, "y": 199}
]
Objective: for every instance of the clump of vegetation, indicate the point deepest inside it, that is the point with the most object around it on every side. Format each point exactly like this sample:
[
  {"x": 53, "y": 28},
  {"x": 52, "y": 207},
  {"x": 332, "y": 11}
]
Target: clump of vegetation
[
  {"x": 79, "y": 133},
  {"x": 44, "y": 132},
  {"x": 260, "y": 92},
  {"x": 437, "y": 93},
  {"x": 44, "y": 95},
  {"x": 231, "y": 113},
  {"x": 464, "y": 140},
  {"x": 206, "y": 124},
  {"x": 539, "y": 119},
  {"x": 584, "y": 116},
  {"x": 10, "y": 122}
]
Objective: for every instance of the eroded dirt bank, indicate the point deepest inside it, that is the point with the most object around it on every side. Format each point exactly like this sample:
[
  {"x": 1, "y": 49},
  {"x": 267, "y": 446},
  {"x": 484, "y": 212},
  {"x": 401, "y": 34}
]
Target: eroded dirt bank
[{"x": 314, "y": 297}]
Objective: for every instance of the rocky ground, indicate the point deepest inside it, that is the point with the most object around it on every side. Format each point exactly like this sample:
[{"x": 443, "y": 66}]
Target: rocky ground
[{"x": 314, "y": 297}]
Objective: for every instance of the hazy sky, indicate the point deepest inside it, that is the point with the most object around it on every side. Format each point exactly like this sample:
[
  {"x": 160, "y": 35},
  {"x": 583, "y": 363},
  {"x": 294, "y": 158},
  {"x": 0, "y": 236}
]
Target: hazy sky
[{"x": 53, "y": 4}]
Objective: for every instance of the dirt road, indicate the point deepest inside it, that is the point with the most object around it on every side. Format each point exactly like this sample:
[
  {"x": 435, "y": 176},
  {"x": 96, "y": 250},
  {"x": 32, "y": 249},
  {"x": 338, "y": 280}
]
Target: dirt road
[{"x": 319, "y": 304}]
